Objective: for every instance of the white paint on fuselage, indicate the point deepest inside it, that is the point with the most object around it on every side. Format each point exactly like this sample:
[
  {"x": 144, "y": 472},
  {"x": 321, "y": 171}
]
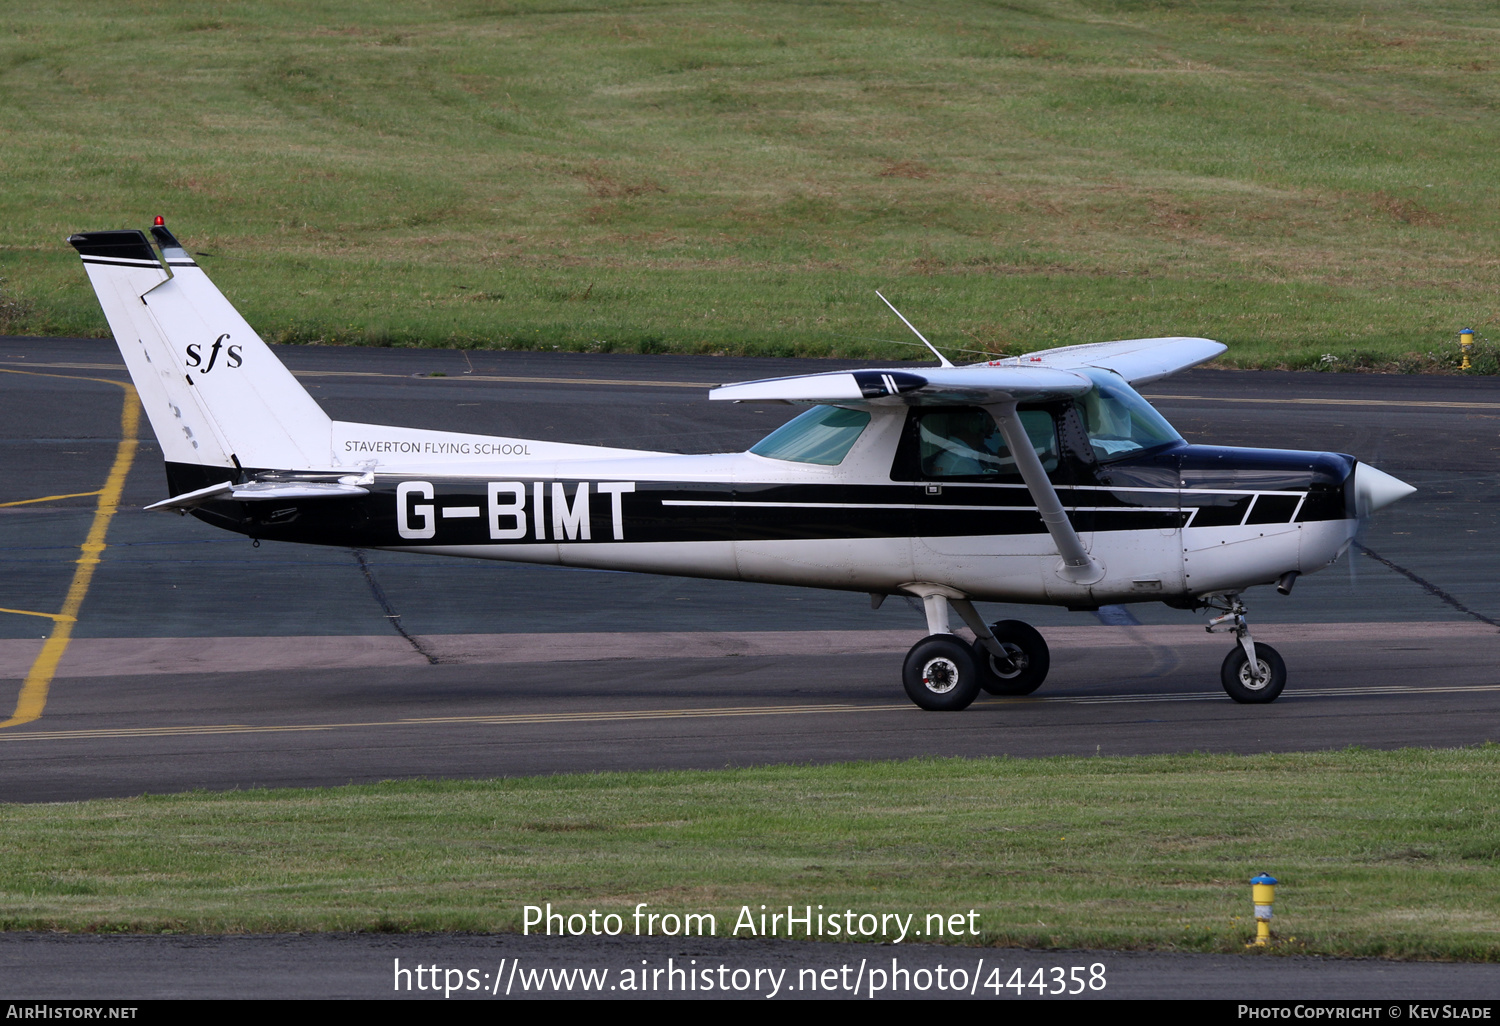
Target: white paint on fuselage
[
  {"x": 1222, "y": 559},
  {"x": 1138, "y": 566},
  {"x": 1146, "y": 565}
]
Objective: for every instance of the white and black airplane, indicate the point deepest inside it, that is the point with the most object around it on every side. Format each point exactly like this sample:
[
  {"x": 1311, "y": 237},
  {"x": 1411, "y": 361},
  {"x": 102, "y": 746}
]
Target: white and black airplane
[{"x": 1041, "y": 479}]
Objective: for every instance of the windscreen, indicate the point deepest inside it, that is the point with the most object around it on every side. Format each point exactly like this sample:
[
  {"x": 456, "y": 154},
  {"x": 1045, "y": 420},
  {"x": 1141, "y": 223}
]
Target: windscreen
[
  {"x": 1119, "y": 421},
  {"x": 823, "y": 435}
]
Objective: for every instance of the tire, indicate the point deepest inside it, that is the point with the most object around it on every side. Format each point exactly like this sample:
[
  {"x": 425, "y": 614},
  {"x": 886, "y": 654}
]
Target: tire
[
  {"x": 1241, "y": 686},
  {"x": 1027, "y": 648},
  {"x": 940, "y": 675}
]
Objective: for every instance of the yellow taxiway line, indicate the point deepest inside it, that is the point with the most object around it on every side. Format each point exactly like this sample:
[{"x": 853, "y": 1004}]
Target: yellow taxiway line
[
  {"x": 50, "y": 498},
  {"x": 512, "y": 379},
  {"x": 1412, "y": 403},
  {"x": 439, "y": 377},
  {"x": 515, "y": 719},
  {"x": 640, "y": 383},
  {"x": 710, "y": 712},
  {"x": 33, "y": 697},
  {"x": 33, "y": 612}
]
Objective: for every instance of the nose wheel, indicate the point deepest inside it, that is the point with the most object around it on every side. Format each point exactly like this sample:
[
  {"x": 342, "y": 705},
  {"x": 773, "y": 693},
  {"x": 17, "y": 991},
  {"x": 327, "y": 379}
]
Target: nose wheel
[
  {"x": 1257, "y": 687},
  {"x": 1252, "y": 674}
]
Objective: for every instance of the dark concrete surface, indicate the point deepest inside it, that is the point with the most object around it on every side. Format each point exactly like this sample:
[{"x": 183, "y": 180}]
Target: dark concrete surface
[
  {"x": 363, "y": 966},
  {"x": 164, "y": 576},
  {"x": 1389, "y": 669}
]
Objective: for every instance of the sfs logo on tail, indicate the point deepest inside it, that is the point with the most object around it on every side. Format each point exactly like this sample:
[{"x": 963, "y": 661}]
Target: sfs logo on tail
[{"x": 195, "y": 355}]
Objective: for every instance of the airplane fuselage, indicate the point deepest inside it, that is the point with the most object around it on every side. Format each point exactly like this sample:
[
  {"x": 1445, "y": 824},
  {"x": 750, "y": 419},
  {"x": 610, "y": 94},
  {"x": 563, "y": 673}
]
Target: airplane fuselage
[{"x": 1167, "y": 525}]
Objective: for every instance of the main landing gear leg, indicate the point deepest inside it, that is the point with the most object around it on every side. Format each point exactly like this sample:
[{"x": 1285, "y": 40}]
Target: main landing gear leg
[
  {"x": 1013, "y": 657},
  {"x": 943, "y": 673},
  {"x": 1252, "y": 674}
]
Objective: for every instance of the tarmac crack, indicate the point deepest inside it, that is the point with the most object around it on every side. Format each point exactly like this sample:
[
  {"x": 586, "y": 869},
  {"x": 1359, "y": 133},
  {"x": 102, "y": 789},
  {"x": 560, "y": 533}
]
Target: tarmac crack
[
  {"x": 1427, "y": 586},
  {"x": 391, "y": 616}
]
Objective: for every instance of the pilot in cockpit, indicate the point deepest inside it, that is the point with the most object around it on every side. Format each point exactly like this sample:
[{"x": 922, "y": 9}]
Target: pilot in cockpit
[{"x": 963, "y": 443}]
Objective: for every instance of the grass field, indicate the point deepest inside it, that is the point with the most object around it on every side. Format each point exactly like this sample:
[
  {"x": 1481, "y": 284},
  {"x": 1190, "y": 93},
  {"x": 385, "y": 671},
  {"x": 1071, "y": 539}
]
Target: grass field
[
  {"x": 1312, "y": 183},
  {"x": 1378, "y": 853}
]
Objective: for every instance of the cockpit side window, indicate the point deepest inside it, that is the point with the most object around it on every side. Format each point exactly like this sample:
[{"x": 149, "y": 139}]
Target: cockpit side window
[
  {"x": 964, "y": 442},
  {"x": 1119, "y": 421},
  {"x": 823, "y": 435}
]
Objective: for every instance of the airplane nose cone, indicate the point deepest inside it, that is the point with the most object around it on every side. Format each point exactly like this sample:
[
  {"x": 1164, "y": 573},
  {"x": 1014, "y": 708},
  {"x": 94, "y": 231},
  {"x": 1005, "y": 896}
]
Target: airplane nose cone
[{"x": 1375, "y": 489}]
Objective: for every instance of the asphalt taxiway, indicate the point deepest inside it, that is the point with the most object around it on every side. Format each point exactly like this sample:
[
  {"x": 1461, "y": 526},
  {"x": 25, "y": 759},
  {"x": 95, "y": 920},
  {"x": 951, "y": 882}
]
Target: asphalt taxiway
[
  {"x": 194, "y": 660},
  {"x": 197, "y": 660},
  {"x": 508, "y": 967}
]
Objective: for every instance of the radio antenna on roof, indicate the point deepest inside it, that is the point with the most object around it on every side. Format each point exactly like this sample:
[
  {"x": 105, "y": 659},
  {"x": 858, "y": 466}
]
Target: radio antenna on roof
[{"x": 943, "y": 360}]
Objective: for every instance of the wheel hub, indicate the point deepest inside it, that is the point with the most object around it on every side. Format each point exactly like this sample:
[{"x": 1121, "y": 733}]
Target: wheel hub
[
  {"x": 940, "y": 675},
  {"x": 1018, "y": 662},
  {"x": 1257, "y": 678}
]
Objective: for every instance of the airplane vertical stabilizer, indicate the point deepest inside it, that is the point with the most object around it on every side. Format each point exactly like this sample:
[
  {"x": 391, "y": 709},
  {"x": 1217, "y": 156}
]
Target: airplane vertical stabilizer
[{"x": 215, "y": 393}]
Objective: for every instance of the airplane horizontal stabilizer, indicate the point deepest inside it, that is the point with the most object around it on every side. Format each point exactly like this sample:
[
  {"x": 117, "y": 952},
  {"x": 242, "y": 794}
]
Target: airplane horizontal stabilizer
[{"x": 260, "y": 491}]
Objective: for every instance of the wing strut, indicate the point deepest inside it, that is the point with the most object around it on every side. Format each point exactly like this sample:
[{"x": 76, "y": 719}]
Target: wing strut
[{"x": 1078, "y": 566}]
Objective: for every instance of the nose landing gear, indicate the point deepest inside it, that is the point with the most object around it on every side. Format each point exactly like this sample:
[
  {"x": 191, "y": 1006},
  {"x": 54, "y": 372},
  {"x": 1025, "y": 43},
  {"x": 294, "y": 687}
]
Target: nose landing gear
[{"x": 1251, "y": 674}]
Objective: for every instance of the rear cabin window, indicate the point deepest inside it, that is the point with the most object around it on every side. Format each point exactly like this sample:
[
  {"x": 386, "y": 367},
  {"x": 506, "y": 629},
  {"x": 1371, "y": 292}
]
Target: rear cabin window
[
  {"x": 966, "y": 442},
  {"x": 823, "y": 435}
]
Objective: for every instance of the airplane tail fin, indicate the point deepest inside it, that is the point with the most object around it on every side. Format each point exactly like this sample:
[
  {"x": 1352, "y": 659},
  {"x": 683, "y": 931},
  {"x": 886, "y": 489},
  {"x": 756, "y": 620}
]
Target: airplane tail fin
[{"x": 214, "y": 392}]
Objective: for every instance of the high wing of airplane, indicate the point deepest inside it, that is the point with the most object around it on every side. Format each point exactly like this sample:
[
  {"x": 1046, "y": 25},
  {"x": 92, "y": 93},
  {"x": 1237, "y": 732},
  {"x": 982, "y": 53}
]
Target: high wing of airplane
[{"x": 1039, "y": 479}]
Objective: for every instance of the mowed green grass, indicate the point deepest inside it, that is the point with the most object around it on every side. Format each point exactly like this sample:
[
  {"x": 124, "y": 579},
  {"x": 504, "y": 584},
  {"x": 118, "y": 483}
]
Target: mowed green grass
[
  {"x": 1312, "y": 183},
  {"x": 1378, "y": 853}
]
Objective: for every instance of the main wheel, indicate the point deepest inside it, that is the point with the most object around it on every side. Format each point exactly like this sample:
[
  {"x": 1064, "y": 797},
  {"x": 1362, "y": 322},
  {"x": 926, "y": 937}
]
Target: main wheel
[
  {"x": 940, "y": 674},
  {"x": 1029, "y": 657},
  {"x": 1241, "y": 684}
]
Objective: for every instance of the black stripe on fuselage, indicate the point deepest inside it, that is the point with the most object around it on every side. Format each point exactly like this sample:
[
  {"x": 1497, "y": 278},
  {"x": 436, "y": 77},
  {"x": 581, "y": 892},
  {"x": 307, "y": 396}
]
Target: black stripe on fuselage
[{"x": 463, "y": 511}]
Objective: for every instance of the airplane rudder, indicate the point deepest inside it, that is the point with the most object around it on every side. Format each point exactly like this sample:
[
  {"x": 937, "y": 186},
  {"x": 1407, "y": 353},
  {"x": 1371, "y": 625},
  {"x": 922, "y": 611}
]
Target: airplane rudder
[{"x": 121, "y": 265}]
